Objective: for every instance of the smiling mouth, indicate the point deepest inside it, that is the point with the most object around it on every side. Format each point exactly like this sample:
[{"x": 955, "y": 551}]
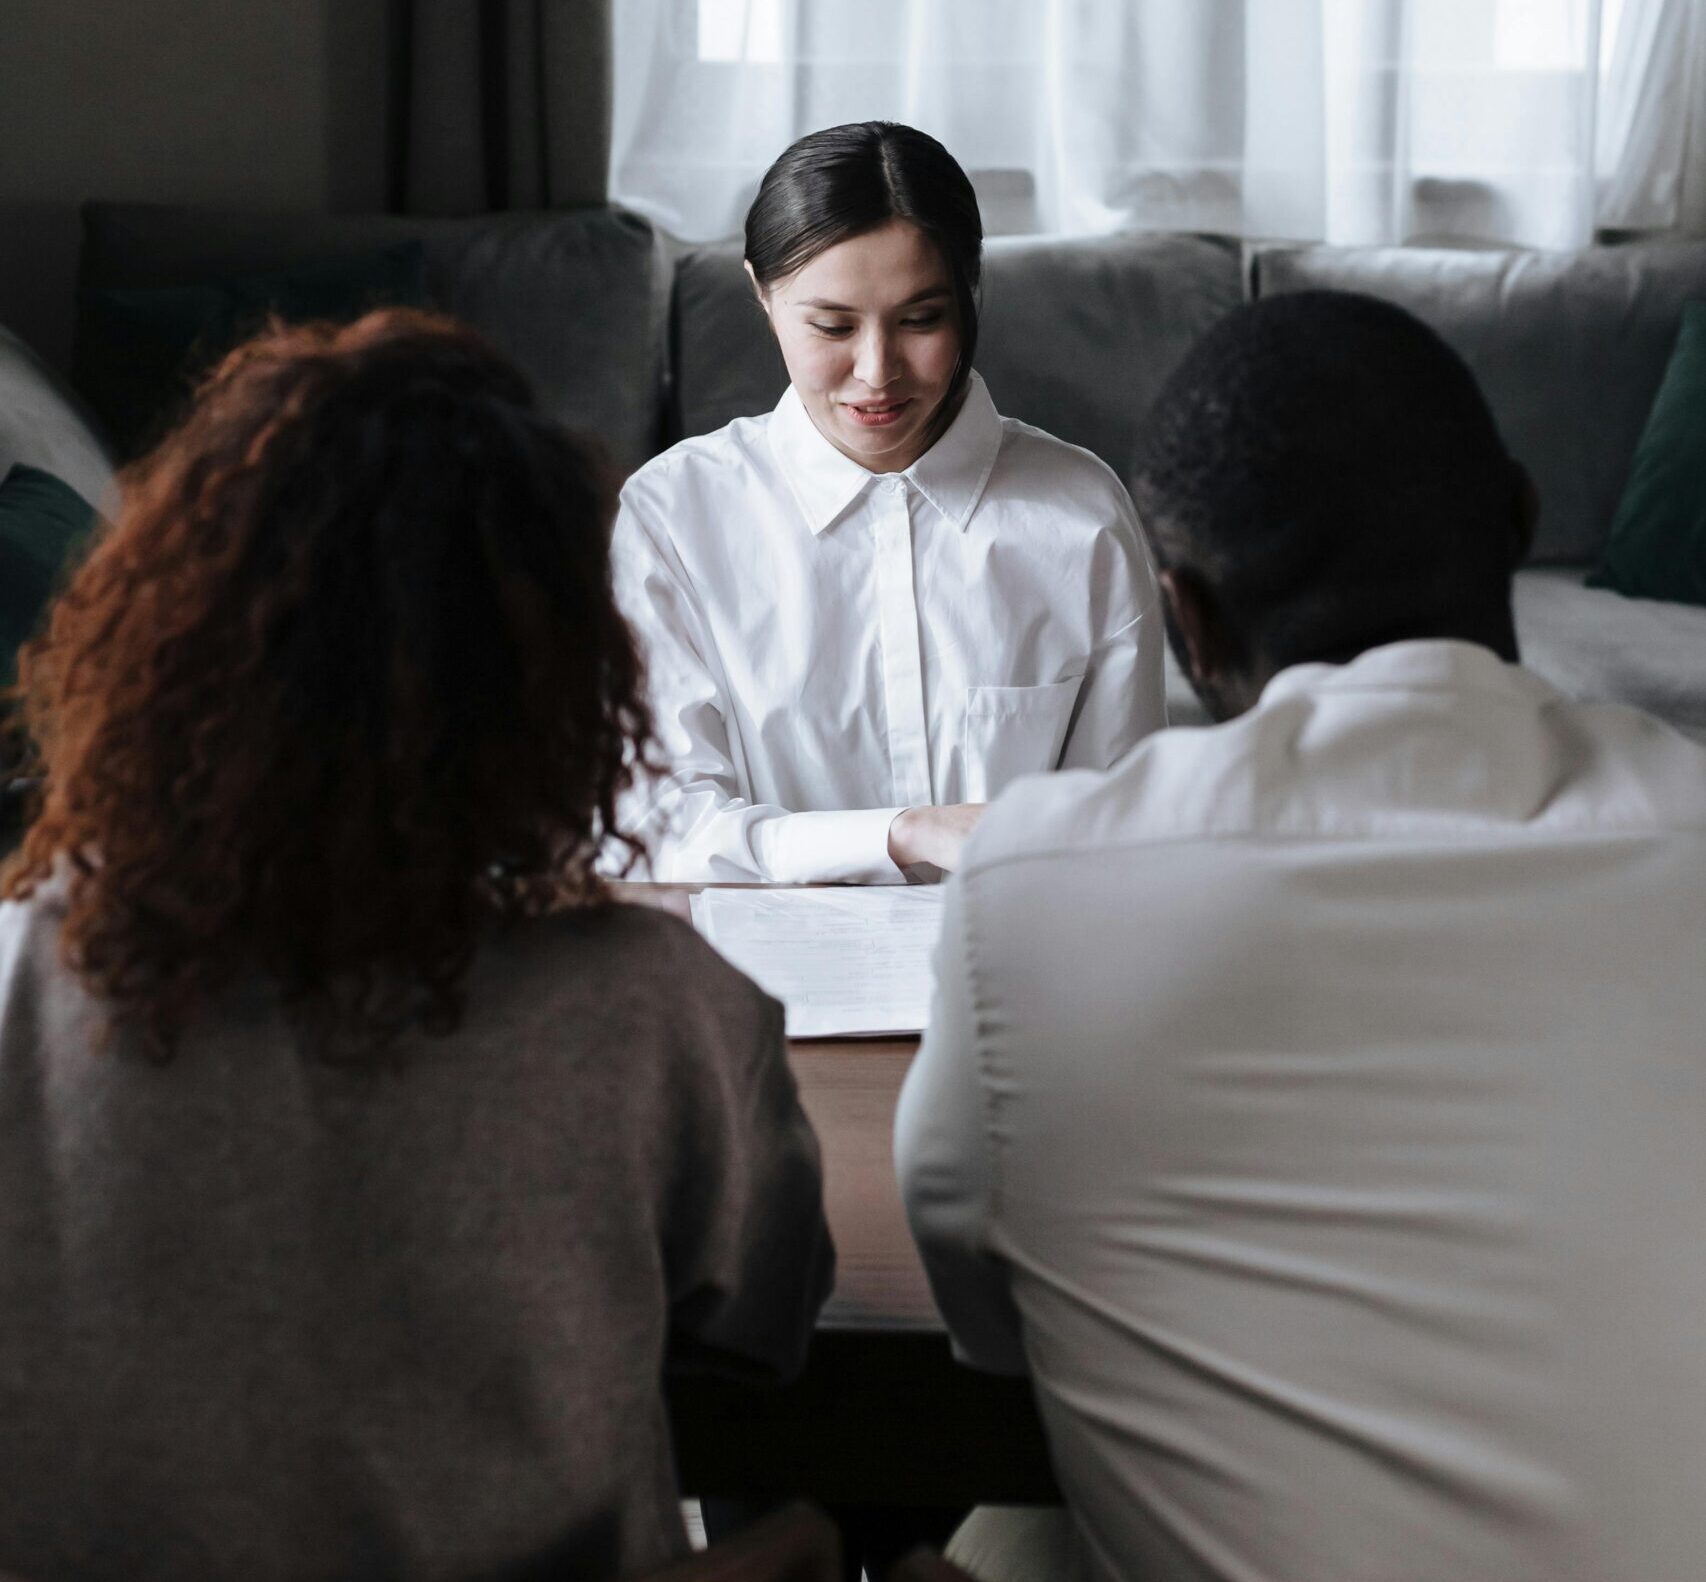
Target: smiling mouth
[{"x": 875, "y": 414}]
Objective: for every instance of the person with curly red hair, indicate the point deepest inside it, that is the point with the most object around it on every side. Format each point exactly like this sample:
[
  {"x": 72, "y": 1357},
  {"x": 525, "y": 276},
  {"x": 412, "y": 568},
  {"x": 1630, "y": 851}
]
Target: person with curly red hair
[{"x": 362, "y": 1163}]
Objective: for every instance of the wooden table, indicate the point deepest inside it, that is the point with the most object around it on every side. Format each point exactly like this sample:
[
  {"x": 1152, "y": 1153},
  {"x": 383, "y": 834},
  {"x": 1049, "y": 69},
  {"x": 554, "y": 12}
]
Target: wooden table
[{"x": 882, "y": 1414}]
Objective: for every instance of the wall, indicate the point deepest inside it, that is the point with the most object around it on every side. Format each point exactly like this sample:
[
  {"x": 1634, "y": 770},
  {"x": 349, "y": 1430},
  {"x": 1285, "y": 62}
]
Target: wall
[{"x": 192, "y": 101}]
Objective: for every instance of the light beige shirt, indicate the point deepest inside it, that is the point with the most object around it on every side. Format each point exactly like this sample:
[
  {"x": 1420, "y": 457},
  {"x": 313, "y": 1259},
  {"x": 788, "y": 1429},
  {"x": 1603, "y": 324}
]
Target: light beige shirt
[
  {"x": 829, "y": 645},
  {"x": 1315, "y": 1106}
]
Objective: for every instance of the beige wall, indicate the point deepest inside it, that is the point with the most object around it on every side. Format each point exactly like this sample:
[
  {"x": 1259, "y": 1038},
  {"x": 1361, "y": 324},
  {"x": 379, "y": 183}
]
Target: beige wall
[{"x": 194, "y": 101}]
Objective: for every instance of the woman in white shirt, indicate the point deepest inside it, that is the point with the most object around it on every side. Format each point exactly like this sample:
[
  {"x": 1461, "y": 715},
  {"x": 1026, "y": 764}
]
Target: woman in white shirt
[{"x": 868, "y": 610}]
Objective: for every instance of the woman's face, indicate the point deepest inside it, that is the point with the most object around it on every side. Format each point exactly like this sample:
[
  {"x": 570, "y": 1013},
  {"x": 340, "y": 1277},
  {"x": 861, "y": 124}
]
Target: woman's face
[{"x": 871, "y": 335}]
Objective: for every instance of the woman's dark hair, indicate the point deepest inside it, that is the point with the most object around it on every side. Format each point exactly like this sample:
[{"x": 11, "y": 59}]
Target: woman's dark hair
[
  {"x": 846, "y": 180},
  {"x": 344, "y": 681}
]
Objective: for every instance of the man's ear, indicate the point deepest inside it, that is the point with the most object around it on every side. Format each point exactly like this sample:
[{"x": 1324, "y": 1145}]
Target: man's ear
[
  {"x": 1525, "y": 515},
  {"x": 1194, "y": 617}
]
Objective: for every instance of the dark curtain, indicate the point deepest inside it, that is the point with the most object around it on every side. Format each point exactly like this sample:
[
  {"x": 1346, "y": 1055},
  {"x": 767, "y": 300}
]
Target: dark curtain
[{"x": 466, "y": 106}]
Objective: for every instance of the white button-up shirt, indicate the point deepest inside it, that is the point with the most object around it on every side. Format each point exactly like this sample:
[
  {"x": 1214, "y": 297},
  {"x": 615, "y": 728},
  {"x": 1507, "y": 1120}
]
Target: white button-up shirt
[
  {"x": 828, "y": 646},
  {"x": 1315, "y": 1106}
]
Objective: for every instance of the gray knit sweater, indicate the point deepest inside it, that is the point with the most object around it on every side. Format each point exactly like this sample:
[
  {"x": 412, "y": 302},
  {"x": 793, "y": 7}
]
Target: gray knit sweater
[{"x": 263, "y": 1317}]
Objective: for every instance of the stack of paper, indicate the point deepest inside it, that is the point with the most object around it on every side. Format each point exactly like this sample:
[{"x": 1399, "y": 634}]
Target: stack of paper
[{"x": 845, "y": 962}]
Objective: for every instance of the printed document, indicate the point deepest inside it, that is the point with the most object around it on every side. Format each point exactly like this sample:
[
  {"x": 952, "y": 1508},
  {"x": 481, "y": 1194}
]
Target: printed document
[{"x": 851, "y": 961}]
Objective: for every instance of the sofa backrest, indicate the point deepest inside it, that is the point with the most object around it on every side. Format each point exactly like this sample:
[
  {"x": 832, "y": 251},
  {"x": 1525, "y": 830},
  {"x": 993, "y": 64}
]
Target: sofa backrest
[
  {"x": 1568, "y": 347},
  {"x": 643, "y": 340},
  {"x": 1075, "y": 336},
  {"x": 577, "y": 297}
]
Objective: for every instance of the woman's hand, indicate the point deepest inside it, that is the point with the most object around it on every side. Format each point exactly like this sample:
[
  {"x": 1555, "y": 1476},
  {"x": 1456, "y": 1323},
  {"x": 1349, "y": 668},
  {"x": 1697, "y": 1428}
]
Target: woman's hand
[{"x": 932, "y": 834}]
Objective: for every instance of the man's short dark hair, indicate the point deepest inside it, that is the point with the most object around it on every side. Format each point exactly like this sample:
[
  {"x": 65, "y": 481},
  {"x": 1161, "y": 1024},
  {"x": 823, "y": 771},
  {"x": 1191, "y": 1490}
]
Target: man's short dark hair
[{"x": 1329, "y": 467}]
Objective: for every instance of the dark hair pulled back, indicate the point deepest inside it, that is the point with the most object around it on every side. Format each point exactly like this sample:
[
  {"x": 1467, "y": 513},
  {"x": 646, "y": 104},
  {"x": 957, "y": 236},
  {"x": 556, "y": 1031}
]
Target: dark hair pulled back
[{"x": 846, "y": 180}]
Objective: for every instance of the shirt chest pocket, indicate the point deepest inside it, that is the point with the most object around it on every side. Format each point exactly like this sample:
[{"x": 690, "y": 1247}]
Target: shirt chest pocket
[{"x": 1013, "y": 731}]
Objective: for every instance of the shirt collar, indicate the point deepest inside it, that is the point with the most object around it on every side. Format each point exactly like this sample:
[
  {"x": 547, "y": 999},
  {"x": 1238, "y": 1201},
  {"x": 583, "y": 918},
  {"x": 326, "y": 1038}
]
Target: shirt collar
[
  {"x": 1417, "y": 665},
  {"x": 951, "y": 475}
]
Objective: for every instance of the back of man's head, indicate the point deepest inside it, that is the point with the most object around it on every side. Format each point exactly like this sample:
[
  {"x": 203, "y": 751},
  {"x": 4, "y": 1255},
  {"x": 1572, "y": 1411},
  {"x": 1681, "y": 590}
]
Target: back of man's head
[{"x": 1325, "y": 475}]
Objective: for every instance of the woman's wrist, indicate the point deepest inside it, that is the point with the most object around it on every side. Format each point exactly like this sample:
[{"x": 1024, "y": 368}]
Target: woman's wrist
[
  {"x": 933, "y": 835},
  {"x": 902, "y": 832}
]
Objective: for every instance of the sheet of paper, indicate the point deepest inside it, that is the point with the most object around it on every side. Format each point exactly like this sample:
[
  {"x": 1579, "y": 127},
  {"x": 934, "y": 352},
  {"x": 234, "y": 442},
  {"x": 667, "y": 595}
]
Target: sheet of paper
[{"x": 845, "y": 962}]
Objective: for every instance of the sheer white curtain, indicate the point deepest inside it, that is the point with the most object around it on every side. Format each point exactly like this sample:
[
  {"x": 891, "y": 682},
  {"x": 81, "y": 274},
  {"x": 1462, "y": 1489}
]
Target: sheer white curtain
[{"x": 1526, "y": 121}]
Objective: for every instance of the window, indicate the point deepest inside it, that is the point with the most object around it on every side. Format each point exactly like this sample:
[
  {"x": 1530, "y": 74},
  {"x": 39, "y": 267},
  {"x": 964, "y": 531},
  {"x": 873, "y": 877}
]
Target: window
[{"x": 1350, "y": 120}]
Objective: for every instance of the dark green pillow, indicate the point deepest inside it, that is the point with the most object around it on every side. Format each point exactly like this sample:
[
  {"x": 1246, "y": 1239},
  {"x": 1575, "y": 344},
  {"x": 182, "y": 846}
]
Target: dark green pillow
[
  {"x": 43, "y": 523},
  {"x": 1657, "y": 547},
  {"x": 142, "y": 348}
]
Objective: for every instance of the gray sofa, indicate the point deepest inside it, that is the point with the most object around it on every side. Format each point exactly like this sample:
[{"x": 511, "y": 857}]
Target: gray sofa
[{"x": 643, "y": 340}]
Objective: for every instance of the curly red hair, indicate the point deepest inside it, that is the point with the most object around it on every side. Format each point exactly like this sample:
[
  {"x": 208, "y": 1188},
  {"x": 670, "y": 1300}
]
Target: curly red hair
[{"x": 344, "y": 681}]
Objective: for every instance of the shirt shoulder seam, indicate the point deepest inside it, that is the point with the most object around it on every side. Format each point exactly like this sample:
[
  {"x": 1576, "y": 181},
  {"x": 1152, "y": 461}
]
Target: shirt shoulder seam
[{"x": 1014, "y": 425}]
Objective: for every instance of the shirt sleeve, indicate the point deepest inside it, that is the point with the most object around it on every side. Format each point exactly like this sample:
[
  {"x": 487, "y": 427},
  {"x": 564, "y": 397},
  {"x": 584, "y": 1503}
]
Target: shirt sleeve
[
  {"x": 747, "y": 1248},
  {"x": 1123, "y": 697},
  {"x": 946, "y": 1169},
  {"x": 695, "y": 820}
]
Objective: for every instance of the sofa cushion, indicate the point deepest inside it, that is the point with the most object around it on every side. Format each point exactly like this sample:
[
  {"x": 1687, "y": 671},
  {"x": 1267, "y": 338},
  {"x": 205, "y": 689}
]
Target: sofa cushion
[
  {"x": 43, "y": 523},
  {"x": 1078, "y": 336},
  {"x": 1074, "y": 336},
  {"x": 1657, "y": 548},
  {"x": 723, "y": 359},
  {"x": 1569, "y": 348},
  {"x": 576, "y": 298},
  {"x": 145, "y": 346},
  {"x": 42, "y": 424},
  {"x": 1593, "y": 644}
]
